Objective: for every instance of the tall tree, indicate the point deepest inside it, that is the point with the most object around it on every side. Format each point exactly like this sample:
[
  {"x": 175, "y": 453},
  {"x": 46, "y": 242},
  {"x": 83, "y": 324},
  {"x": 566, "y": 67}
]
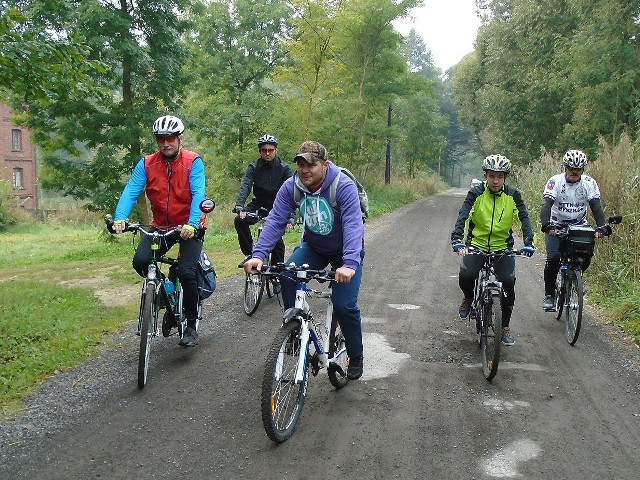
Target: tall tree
[
  {"x": 90, "y": 144},
  {"x": 236, "y": 46}
]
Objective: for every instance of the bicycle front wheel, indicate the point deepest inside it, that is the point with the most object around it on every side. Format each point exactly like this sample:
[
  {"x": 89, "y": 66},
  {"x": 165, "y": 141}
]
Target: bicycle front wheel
[
  {"x": 282, "y": 397},
  {"x": 149, "y": 314},
  {"x": 491, "y": 336},
  {"x": 338, "y": 352},
  {"x": 573, "y": 316},
  {"x": 253, "y": 289}
]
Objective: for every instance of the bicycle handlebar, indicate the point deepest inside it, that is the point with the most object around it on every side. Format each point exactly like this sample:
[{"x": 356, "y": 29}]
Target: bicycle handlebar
[
  {"x": 308, "y": 273},
  {"x": 146, "y": 229},
  {"x": 501, "y": 253},
  {"x": 606, "y": 230}
]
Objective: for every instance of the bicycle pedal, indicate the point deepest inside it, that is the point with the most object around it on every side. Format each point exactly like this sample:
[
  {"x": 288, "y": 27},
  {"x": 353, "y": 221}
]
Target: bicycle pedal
[{"x": 315, "y": 365}]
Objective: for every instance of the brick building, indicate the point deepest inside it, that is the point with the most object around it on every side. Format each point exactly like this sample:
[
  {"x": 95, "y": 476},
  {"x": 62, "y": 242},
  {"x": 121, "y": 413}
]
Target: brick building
[{"x": 18, "y": 161}]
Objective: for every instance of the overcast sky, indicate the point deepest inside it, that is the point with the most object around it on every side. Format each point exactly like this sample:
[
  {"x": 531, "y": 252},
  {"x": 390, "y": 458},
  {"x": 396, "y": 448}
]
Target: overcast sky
[{"x": 448, "y": 28}]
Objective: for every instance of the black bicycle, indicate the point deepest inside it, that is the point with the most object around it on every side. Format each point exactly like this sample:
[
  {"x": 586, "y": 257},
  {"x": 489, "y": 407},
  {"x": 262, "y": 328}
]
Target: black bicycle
[
  {"x": 486, "y": 309},
  {"x": 256, "y": 285},
  {"x": 577, "y": 243},
  {"x": 159, "y": 291}
]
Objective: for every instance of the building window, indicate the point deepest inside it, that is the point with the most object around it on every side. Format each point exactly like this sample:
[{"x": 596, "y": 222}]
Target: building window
[
  {"x": 17, "y": 178},
  {"x": 16, "y": 140}
]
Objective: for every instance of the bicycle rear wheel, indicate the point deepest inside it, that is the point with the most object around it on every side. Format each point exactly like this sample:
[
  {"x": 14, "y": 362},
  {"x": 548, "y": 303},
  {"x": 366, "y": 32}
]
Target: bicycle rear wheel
[
  {"x": 282, "y": 398},
  {"x": 147, "y": 332},
  {"x": 491, "y": 336},
  {"x": 560, "y": 294},
  {"x": 253, "y": 289},
  {"x": 575, "y": 297},
  {"x": 337, "y": 350}
]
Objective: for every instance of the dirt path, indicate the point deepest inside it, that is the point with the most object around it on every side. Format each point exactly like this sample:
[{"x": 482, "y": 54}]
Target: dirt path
[{"x": 421, "y": 410}]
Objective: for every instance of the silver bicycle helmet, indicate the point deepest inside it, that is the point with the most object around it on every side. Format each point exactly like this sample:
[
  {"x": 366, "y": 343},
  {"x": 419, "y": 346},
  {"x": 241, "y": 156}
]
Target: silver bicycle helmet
[
  {"x": 168, "y": 125},
  {"x": 497, "y": 163},
  {"x": 267, "y": 139},
  {"x": 574, "y": 159}
]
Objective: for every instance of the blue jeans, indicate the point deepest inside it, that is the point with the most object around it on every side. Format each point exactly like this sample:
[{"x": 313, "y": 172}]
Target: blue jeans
[{"x": 344, "y": 295}]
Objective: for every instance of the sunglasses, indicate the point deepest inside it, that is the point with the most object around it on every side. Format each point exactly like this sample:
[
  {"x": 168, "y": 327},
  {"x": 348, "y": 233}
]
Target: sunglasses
[
  {"x": 169, "y": 138},
  {"x": 267, "y": 150}
]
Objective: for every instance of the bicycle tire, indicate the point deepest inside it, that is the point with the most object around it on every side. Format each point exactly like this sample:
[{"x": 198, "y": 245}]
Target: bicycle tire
[
  {"x": 491, "y": 337},
  {"x": 575, "y": 300},
  {"x": 282, "y": 399},
  {"x": 560, "y": 294},
  {"x": 253, "y": 290},
  {"x": 147, "y": 332},
  {"x": 337, "y": 350}
]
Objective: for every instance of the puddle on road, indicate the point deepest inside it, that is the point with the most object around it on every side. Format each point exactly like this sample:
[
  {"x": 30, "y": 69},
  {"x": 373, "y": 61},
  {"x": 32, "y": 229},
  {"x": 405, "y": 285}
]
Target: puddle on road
[
  {"x": 404, "y": 306},
  {"x": 380, "y": 359},
  {"x": 501, "y": 405},
  {"x": 505, "y": 462}
]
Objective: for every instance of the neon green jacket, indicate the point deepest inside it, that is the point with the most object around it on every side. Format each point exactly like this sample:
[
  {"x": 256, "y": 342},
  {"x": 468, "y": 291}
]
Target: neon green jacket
[{"x": 489, "y": 217}]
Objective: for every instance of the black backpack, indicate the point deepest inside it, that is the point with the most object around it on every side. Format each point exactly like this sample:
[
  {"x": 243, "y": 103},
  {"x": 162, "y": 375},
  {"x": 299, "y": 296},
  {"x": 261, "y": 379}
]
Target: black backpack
[{"x": 205, "y": 276}]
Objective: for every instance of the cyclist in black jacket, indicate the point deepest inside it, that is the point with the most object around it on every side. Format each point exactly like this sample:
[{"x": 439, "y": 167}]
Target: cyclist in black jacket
[{"x": 265, "y": 176}]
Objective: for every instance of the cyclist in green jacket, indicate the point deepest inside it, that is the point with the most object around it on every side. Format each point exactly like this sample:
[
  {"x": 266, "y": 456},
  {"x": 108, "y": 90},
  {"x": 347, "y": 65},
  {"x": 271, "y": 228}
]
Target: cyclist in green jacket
[{"x": 488, "y": 214}]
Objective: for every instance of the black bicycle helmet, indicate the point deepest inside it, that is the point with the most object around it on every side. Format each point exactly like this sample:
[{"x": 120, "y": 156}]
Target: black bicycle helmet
[{"x": 267, "y": 139}]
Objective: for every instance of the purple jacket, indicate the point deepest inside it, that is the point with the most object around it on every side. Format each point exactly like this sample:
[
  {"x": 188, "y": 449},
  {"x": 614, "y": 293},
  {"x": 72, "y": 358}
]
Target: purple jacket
[{"x": 331, "y": 232}]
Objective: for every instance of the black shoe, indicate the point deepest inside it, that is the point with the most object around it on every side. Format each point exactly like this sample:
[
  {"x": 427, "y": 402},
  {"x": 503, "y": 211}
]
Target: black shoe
[
  {"x": 355, "y": 368},
  {"x": 190, "y": 338},
  {"x": 465, "y": 308},
  {"x": 549, "y": 303}
]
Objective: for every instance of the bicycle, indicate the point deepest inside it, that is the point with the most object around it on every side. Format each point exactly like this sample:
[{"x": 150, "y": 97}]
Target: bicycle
[
  {"x": 159, "y": 292},
  {"x": 486, "y": 309},
  {"x": 577, "y": 243},
  {"x": 255, "y": 284},
  {"x": 302, "y": 343}
]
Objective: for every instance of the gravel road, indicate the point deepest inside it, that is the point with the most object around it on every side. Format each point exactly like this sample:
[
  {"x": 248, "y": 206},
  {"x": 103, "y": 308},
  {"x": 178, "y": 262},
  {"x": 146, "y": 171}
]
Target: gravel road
[{"x": 421, "y": 410}]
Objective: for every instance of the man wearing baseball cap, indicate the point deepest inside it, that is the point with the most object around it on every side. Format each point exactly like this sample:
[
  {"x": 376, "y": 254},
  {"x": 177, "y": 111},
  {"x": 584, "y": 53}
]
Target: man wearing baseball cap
[{"x": 332, "y": 236}]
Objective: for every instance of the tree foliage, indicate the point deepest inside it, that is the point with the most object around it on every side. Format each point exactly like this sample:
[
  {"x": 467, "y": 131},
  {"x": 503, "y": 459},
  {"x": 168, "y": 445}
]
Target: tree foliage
[
  {"x": 552, "y": 74},
  {"x": 40, "y": 64},
  {"x": 233, "y": 69},
  {"x": 90, "y": 143}
]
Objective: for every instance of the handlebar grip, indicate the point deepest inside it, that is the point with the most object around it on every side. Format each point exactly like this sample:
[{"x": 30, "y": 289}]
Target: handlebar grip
[{"x": 108, "y": 220}]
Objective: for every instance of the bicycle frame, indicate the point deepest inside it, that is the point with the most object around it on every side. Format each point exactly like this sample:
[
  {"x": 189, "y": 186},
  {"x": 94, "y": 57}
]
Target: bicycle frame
[{"x": 309, "y": 328}]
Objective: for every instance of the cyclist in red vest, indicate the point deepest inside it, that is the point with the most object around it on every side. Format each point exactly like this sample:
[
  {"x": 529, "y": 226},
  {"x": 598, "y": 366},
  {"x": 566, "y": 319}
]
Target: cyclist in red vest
[{"x": 174, "y": 181}]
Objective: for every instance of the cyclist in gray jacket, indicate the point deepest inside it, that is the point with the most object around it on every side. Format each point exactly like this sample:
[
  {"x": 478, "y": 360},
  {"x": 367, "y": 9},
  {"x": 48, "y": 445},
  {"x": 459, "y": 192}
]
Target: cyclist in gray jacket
[{"x": 266, "y": 175}]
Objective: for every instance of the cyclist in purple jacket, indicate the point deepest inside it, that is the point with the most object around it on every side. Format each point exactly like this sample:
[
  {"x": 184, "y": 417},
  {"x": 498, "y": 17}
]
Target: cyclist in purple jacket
[{"x": 332, "y": 236}]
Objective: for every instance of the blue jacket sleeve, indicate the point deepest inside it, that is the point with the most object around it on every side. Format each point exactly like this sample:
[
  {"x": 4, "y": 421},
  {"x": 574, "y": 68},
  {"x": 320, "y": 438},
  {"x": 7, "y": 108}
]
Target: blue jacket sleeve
[
  {"x": 198, "y": 189},
  {"x": 131, "y": 192}
]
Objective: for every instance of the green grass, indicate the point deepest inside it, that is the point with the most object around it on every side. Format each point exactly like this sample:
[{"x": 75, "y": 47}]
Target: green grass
[
  {"x": 41, "y": 334},
  {"x": 52, "y": 277}
]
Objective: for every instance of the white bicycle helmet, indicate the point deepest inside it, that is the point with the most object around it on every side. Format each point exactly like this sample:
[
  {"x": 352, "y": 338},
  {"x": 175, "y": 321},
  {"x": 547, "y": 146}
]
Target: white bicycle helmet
[
  {"x": 267, "y": 139},
  {"x": 574, "y": 159},
  {"x": 497, "y": 163},
  {"x": 168, "y": 125}
]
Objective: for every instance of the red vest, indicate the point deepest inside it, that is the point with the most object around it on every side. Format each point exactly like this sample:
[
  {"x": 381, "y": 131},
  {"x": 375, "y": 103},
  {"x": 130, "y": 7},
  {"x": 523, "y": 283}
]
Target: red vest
[{"x": 168, "y": 187}]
